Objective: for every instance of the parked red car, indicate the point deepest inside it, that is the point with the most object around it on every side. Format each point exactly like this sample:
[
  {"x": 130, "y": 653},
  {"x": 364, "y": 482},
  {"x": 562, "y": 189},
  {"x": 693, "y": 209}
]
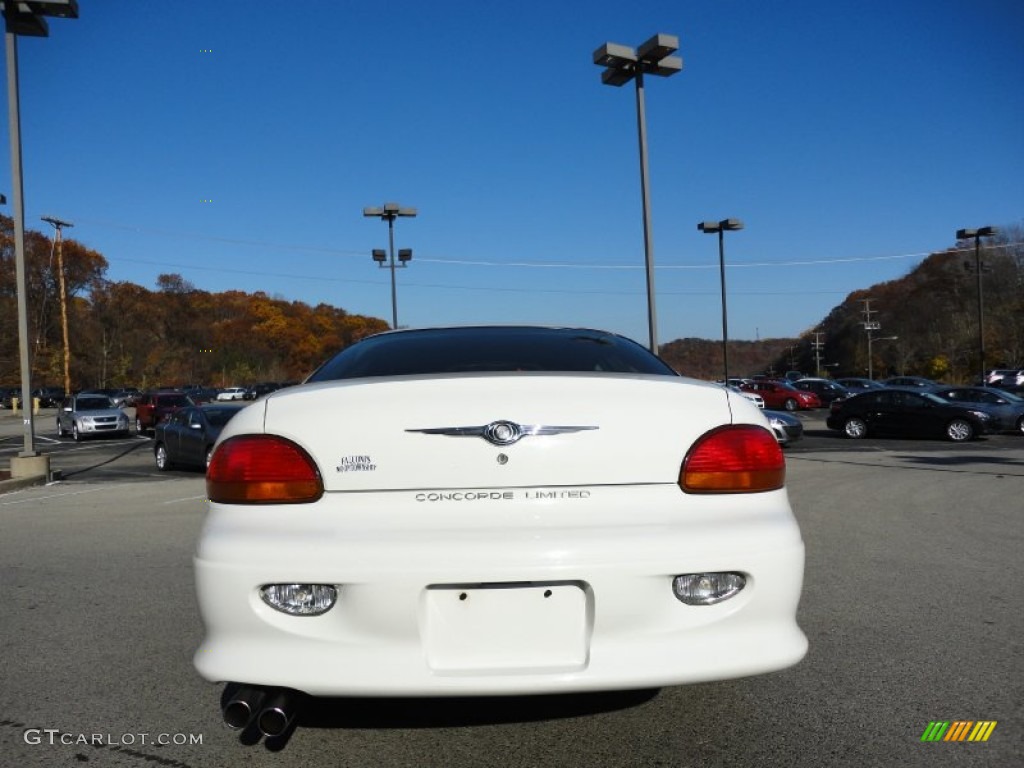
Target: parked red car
[
  {"x": 152, "y": 407},
  {"x": 782, "y": 394}
]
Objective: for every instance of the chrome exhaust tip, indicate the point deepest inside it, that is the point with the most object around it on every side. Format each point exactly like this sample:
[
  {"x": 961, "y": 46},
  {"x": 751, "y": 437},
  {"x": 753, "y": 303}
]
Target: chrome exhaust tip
[
  {"x": 278, "y": 713},
  {"x": 243, "y": 707}
]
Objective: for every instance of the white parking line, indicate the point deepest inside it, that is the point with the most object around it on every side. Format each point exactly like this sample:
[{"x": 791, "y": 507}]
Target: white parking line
[
  {"x": 184, "y": 499},
  {"x": 37, "y": 499},
  {"x": 76, "y": 447}
]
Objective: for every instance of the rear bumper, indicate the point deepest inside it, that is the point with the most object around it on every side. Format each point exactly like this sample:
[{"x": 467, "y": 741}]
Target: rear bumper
[{"x": 392, "y": 632}]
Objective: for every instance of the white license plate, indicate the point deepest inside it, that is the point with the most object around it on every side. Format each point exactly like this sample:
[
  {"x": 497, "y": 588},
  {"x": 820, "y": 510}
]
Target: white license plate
[{"x": 497, "y": 628}]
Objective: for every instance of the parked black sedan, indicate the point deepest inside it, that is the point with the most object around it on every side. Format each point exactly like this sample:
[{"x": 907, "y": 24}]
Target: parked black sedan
[
  {"x": 856, "y": 384},
  {"x": 905, "y": 413},
  {"x": 187, "y": 436},
  {"x": 826, "y": 389},
  {"x": 48, "y": 397},
  {"x": 917, "y": 382},
  {"x": 1006, "y": 408}
]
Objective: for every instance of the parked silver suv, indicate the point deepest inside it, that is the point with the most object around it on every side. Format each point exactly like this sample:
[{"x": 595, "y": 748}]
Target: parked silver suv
[{"x": 84, "y": 416}]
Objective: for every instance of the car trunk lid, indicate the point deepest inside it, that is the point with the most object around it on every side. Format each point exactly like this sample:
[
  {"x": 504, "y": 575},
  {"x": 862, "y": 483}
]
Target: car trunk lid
[{"x": 446, "y": 431}]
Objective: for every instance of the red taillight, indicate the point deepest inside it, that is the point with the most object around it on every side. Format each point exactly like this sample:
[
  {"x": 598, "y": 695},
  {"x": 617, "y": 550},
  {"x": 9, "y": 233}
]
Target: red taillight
[
  {"x": 735, "y": 459},
  {"x": 262, "y": 469}
]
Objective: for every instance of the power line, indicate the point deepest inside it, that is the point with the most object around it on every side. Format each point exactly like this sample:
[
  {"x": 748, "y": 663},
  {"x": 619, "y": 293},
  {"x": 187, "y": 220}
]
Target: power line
[
  {"x": 448, "y": 286},
  {"x": 535, "y": 264}
]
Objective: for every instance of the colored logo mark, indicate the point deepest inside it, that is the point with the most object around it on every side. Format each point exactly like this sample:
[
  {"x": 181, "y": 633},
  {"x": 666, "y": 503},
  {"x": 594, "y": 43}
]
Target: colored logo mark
[{"x": 959, "y": 730}]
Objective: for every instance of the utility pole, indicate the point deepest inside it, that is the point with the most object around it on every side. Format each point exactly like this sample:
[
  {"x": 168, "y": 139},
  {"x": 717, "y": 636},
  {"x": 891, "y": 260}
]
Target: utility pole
[
  {"x": 58, "y": 225},
  {"x": 817, "y": 345},
  {"x": 869, "y": 326},
  {"x": 979, "y": 267}
]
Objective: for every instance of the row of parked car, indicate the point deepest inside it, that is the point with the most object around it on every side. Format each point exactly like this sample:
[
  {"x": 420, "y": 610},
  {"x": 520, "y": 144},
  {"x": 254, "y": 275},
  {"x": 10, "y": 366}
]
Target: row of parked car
[
  {"x": 184, "y": 432},
  {"x": 906, "y": 406},
  {"x": 51, "y": 397},
  {"x": 91, "y": 413},
  {"x": 914, "y": 406},
  {"x": 48, "y": 397}
]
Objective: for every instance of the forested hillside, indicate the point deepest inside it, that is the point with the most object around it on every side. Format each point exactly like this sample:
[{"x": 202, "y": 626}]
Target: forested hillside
[
  {"x": 933, "y": 312},
  {"x": 122, "y": 334}
]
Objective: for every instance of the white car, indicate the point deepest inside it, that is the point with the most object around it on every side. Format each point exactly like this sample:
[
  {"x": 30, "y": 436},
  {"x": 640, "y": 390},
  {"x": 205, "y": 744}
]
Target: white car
[
  {"x": 232, "y": 393},
  {"x": 753, "y": 397},
  {"x": 493, "y": 511}
]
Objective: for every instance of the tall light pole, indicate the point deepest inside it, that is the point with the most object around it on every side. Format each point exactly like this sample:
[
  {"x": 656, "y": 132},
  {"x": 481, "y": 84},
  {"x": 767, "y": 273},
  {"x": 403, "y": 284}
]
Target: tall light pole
[
  {"x": 623, "y": 64},
  {"x": 25, "y": 17},
  {"x": 59, "y": 225},
  {"x": 721, "y": 227},
  {"x": 977, "y": 234},
  {"x": 389, "y": 212}
]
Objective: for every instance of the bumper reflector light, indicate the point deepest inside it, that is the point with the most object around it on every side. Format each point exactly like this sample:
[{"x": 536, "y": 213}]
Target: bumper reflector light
[
  {"x": 707, "y": 588},
  {"x": 300, "y": 599}
]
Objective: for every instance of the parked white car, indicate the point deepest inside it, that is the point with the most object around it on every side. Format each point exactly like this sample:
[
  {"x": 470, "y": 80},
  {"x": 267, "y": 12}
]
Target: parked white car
[
  {"x": 232, "y": 393},
  {"x": 753, "y": 397},
  {"x": 491, "y": 511}
]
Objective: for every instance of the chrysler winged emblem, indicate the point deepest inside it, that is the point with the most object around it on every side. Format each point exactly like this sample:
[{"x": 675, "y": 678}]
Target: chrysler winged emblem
[{"x": 501, "y": 432}]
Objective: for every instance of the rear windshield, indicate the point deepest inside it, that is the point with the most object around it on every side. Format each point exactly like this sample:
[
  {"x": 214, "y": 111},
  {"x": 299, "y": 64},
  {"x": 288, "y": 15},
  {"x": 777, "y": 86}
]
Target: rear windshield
[{"x": 491, "y": 349}]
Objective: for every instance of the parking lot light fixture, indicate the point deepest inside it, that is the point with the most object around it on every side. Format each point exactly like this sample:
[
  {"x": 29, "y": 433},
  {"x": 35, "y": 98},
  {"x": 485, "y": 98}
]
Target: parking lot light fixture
[
  {"x": 721, "y": 227},
  {"x": 977, "y": 234},
  {"x": 389, "y": 212},
  {"x": 622, "y": 64},
  {"x": 25, "y": 17}
]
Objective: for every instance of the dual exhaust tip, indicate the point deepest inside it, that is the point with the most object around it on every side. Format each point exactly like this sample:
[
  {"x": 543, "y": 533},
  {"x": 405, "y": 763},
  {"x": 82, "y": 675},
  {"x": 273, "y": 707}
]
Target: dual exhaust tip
[{"x": 272, "y": 710}]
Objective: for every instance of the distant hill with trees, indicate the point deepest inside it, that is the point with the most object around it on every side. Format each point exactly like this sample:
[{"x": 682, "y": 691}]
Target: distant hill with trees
[
  {"x": 933, "y": 310},
  {"x": 122, "y": 334},
  {"x": 702, "y": 358}
]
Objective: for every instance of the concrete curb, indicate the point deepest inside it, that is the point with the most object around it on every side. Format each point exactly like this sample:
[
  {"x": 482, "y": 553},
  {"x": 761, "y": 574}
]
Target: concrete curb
[{"x": 7, "y": 485}]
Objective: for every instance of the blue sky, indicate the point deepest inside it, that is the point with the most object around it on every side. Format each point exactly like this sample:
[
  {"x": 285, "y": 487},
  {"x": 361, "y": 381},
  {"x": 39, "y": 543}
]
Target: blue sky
[{"x": 236, "y": 143}]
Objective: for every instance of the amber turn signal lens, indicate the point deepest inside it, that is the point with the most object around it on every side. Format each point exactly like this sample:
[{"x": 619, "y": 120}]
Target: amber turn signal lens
[
  {"x": 262, "y": 469},
  {"x": 740, "y": 458}
]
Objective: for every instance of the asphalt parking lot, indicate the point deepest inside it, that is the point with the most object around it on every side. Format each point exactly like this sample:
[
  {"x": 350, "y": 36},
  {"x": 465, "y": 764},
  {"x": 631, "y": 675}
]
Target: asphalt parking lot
[{"x": 911, "y": 603}]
